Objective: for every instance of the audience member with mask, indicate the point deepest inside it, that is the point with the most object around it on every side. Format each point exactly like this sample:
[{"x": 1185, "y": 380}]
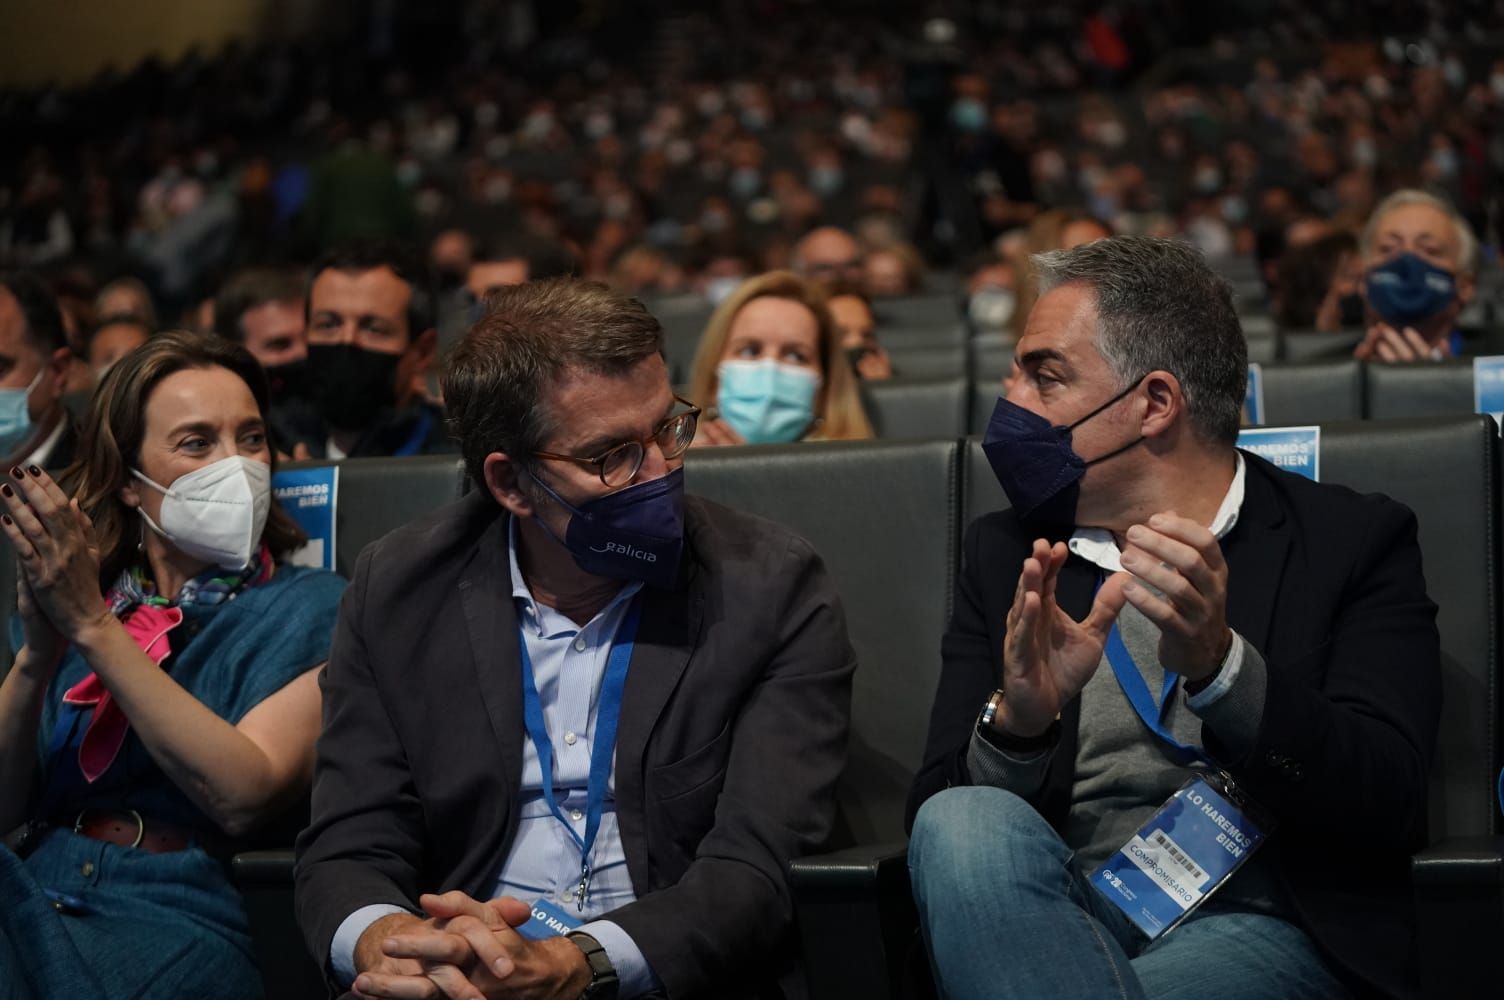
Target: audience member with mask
[
  {"x": 35, "y": 427},
  {"x": 370, "y": 343},
  {"x": 851, "y": 311},
  {"x": 577, "y": 692},
  {"x": 771, "y": 369},
  {"x": 265, "y": 310},
  {"x": 164, "y": 700},
  {"x": 1420, "y": 259}
]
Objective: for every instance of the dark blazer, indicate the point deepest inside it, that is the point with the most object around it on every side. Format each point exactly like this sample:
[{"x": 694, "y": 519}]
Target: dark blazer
[
  {"x": 1327, "y": 585},
  {"x": 733, "y": 731}
]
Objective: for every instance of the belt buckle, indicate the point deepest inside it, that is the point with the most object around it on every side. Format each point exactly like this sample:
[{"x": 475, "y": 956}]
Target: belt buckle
[{"x": 78, "y": 824}]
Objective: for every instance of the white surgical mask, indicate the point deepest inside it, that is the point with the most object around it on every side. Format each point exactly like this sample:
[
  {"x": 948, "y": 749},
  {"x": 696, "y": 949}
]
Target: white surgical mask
[{"x": 215, "y": 513}]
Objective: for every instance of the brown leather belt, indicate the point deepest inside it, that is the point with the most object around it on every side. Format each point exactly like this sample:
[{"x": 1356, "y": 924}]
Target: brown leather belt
[{"x": 129, "y": 828}]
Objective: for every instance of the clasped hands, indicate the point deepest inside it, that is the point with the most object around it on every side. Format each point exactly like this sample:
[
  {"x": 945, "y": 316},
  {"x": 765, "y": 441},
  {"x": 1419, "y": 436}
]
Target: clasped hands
[
  {"x": 1174, "y": 574},
  {"x": 466, "y": 950}
]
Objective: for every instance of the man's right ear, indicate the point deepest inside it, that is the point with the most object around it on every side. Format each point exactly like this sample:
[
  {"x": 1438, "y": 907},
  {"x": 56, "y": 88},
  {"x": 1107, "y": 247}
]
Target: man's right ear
[{"x": 502, "y": 480}]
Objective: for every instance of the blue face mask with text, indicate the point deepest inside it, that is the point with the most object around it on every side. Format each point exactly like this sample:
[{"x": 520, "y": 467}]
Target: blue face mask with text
[
  {"x": 636, "y": 533},
  {"x": 1406, "y": 290}
]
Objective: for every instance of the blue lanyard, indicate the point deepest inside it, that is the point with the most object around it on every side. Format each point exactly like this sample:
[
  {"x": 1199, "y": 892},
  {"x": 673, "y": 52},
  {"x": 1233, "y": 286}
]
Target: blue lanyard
[
  {"x": 603, "y": 748},
  {"x": 1139, "y": 696},
  {"x": 414, "y": 442}
]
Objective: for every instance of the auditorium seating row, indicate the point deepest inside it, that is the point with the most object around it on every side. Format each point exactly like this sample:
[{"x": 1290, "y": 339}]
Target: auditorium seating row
[
  {"x": 1307, "y": 393},
  {"x": 887, "y": 516}
]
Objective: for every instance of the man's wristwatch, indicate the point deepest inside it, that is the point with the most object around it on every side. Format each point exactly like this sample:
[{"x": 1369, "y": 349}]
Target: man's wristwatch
[
  {"x": 603, "y": 981},
  {"x": 986, "y": 725}
]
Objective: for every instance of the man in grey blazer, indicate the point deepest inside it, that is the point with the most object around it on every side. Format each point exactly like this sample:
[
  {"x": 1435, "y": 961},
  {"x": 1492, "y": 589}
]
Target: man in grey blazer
[{"x": 576, "y": 724}]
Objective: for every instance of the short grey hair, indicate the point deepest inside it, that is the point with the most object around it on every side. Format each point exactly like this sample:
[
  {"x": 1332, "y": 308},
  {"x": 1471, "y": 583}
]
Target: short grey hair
[
  {"x": 1161, "y": 308},
  {"x": 1467, "y": 240}
]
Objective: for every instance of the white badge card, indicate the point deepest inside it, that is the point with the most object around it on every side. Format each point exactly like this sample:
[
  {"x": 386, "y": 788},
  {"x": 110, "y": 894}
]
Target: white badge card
[
  {"x": 1186, "y": 851},
  {"x": 548, "y": 921},
  {"x": 1253, "y": 396},
  {"x": 1294, "y": 449}
]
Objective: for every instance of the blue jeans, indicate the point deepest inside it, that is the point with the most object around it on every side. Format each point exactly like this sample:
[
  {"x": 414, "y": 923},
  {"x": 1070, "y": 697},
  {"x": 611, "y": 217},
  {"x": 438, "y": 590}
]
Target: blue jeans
[{"x": 1007, "y": 913}]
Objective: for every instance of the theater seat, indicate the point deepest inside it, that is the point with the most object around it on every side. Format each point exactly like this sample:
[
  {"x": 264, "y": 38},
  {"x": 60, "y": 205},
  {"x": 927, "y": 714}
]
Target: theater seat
[
  {"x": 1315, "y": 345},
  {"x": 1419, "y": 390},
  {"x": 375, "y": 496},
  {"x": 917, "y": 408},
  {"x": 923, "y": 310},
  {"x": 1313, "y": 393},
  {"x": 882, "y": 516},
  {"x": 944, "y": 361}
]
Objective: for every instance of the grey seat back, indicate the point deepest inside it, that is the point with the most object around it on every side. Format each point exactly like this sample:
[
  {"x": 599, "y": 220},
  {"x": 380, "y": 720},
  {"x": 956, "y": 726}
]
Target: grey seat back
[
  {"x": 924, "y": 310},
  {"x": 1445, "y": 469},
  {"x": 1313, "y": 345},
  {"x": 378, "y": 495},
  {"x": 1314, "y": 392},
  {"x": 905, "y": 338},
  {"x": 984, "y": 397},
  {"x": 882, "y": 516},
  {"x": 945, "y": 361},
  {"x": 917, "y": 408},
  {"x": 1419, "y": 390}
]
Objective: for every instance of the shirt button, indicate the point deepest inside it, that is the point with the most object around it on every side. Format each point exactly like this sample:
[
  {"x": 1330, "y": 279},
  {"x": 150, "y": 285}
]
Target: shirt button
[
  {"x": 86, "y": 869},
  {"x": 576, "y": 815},
  {"x": 579, "y": 644},
  {"x": 570, "y": 738}
]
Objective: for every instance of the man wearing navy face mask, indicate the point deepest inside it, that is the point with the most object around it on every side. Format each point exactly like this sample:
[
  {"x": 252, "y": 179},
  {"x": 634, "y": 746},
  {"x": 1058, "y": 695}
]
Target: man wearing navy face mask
[
  {"x": 596, "y": 716},
  {"x": 1420, "y": 259},
  {"x": 1161, "y": 619}
]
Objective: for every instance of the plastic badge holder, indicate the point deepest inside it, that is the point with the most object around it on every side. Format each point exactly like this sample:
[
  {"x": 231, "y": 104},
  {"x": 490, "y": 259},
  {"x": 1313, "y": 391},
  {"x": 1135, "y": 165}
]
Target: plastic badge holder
[{"x": 1183, "y": 854}]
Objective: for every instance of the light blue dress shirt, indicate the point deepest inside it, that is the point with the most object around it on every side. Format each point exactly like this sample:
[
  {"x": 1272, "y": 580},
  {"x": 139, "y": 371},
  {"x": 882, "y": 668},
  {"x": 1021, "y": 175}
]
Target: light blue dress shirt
[{"x": 569, "y": 663}]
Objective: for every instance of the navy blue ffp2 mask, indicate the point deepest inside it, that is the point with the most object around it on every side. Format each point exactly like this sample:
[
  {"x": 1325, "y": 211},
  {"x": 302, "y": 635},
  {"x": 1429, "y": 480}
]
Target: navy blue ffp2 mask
[
  {"x": 633, "y": 534},
  {"x": 1035, "y": 464},
  {"x": 1406, "y": 290}
]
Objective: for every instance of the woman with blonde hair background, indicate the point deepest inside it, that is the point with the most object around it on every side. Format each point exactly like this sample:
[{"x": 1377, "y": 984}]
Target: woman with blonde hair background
[{"x": 770, "y": 368}]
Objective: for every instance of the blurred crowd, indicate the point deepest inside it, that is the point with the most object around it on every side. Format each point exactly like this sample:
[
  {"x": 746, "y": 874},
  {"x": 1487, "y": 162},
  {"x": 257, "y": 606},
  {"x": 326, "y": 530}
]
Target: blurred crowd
[{"x": 682, "y": 150}]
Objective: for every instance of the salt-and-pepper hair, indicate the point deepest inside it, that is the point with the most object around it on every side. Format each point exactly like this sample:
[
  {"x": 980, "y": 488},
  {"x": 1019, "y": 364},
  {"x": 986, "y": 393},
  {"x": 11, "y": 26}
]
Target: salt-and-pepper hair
[
  {"x": 1467, "y": 240},
  {"x": 1161, "y": 308}
]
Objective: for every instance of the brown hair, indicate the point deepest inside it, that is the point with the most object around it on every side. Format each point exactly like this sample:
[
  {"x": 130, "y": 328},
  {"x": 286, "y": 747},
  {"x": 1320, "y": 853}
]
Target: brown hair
[
  {"x": 1046, "y": 233},
  {"x": 839, "y": 405},
  {"x": 110, "y": 441},
  {"x": 532, "y": 333}
]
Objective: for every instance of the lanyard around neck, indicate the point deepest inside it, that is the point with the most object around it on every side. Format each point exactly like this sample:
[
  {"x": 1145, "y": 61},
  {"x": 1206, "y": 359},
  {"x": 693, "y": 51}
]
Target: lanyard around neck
[{"x": 603, "y": 745}]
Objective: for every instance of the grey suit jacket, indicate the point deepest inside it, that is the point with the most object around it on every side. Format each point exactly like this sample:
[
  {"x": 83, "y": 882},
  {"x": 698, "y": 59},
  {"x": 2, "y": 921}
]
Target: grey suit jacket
[{"x": 733, "y": 732}]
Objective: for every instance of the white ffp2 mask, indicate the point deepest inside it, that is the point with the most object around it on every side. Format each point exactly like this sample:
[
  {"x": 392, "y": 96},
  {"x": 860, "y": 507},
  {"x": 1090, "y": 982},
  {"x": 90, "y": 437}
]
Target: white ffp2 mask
[{"x": 215, "y": 513}]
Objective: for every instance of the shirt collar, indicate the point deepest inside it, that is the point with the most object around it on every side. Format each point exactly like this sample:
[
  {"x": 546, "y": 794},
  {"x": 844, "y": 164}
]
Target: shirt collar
[
  {"x": 43, "y": 451},
  {"x": 1097, "y": 546},
  {"x": 538, "y": 616}
]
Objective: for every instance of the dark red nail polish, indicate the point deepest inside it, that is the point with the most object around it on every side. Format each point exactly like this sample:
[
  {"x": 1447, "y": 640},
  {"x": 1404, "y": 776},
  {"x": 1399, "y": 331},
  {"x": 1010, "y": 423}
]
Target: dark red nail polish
[
  {"x": 5, "y": 489},
  {"x": 15, "y": 470},
  {"x": 6, "y": 518},
  {"x": 34, "y": 471}
]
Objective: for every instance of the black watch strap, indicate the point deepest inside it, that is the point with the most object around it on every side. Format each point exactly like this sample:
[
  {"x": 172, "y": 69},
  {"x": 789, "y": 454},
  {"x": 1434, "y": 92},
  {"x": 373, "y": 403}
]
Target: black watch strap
[{"x": 603, "y": 981}]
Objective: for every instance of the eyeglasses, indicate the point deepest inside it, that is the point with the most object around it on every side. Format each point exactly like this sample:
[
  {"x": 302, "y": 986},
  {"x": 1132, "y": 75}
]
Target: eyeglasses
[{"x": 618, "y": 465}]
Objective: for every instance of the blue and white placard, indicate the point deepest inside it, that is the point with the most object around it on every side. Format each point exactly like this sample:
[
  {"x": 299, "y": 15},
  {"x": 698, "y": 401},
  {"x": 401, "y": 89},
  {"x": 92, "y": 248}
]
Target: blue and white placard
[
  {"x": 311, "y": 497},
  {"x": 1294, "y": 449},
  {"x": 1488, "y": 387}
]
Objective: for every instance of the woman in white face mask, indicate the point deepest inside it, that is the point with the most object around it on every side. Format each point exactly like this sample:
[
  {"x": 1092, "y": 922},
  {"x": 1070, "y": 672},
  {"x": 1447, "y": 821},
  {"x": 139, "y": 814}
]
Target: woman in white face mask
[
  {"x": 770, "y": 368},
  {"x": 164, "y": 701}
]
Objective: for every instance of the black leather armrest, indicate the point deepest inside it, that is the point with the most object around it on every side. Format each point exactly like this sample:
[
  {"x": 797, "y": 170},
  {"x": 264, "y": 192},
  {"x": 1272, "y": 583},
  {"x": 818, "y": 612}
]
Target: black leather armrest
[
  {"x": 1459, "y": 903},
  {"x": 274, "y": 868},
  {"x": 857, "y": 923}
]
